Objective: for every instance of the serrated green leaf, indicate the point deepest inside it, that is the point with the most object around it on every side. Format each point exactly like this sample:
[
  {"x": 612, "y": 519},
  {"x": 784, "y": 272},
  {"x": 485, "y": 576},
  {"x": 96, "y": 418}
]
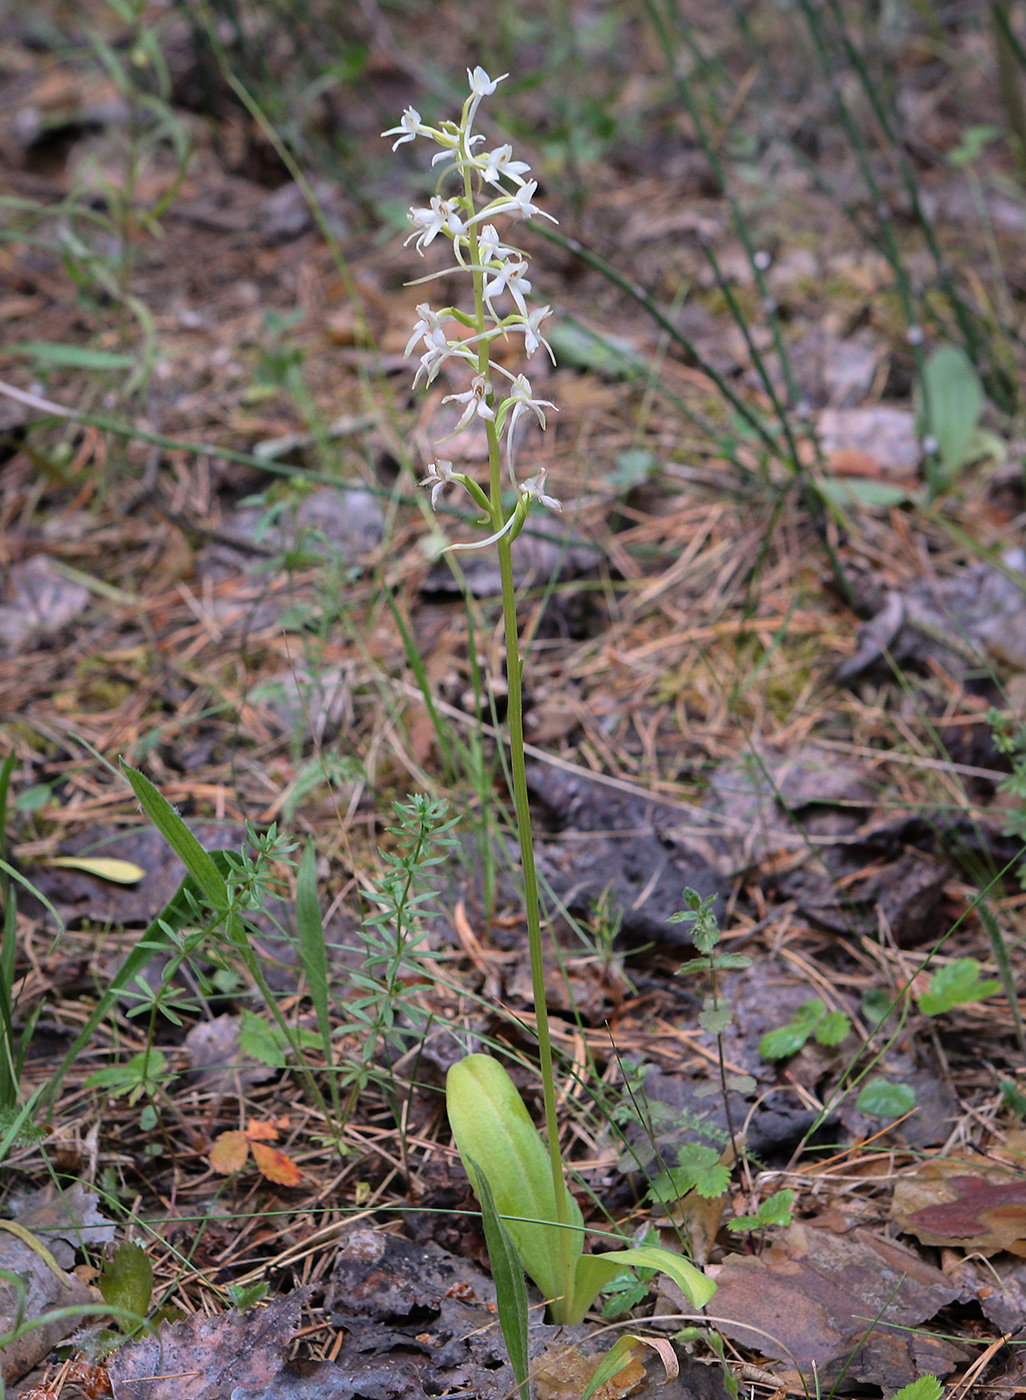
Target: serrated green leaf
[
  {"x": 789, "y": 1039},
  {"x": 715, "y": 1019},
  {"x": 261, "y": 1040},
  {"x": 882, "y": 1099},
  {"x": 728, "y": 962},
  {"x": 954, "y": 985},
  {"x": 127, "y": 1280},
  {"x": 925, "y": 1388},
  {"x": 784, "y": 1041},
  {"x": 774, "y": 1210}
]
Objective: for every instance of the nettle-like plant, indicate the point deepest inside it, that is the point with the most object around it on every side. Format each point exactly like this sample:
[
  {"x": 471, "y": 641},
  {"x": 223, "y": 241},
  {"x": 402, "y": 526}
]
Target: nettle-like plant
[{"x": 531, "y": 1219}]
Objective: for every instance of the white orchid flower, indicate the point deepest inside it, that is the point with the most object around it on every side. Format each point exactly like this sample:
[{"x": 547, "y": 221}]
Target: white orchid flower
[
  {"x": 534, "y": 489},
  {"x": 440, "y": 475},
  {"x": 428, "y": 325},
  {"x": 494, "y": 164},
  {"x": 510, "y": 277},
  {"x": 409, "y": 128},
  {"x": 491, "y": 249},
  {"x": 518, "y": 205},
  {"x": 532, "y": 334},
  {"x": 428, "y": 223},
  {"x": 518, "y": 401},
  {"x": 476, "y": 400}
]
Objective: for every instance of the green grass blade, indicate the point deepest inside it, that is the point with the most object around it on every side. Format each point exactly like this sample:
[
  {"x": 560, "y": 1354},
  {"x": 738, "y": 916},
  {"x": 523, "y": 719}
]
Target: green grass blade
[
  {"x": 197, "y": 861},
  {"x": 312, "y": 952}
]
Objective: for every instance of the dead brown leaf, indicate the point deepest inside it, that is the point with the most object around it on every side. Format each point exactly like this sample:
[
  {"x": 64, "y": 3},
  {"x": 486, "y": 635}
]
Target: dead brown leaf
[
  {"x": 208, "y": 1358},
  {"x": 825, "y": 1298}
]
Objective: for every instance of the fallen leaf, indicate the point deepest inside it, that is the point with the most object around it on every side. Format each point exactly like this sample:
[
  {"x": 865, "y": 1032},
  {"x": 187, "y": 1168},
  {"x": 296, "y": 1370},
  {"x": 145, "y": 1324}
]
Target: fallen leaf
[
  {"x": 208, "y": 1358},
  {"x": 275, "y": 1165},
  {"x": 812, "y": 1296},
  {"x": 258, "y": 1131},
  {"x": 229, "y": 1152},
  {"x": 122, "y": 872},
  {"x": 965, "y": 1204}
]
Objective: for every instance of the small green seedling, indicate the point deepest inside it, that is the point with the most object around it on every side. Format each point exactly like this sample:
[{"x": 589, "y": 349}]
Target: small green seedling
[
  {"x": 777, "y": 1209},
  {"x": 812, "y": 1019},
  {"x": 956, "y": 985},
  {"x": 146, "y": 1073}
]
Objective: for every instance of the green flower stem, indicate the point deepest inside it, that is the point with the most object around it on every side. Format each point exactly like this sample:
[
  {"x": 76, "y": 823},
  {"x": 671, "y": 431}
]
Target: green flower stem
[{"x": 518, "y": 769}]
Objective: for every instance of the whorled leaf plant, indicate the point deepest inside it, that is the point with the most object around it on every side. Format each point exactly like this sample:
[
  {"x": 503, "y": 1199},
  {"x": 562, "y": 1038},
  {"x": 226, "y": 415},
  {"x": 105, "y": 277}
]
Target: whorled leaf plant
[{"x": 519, "y": 1180}]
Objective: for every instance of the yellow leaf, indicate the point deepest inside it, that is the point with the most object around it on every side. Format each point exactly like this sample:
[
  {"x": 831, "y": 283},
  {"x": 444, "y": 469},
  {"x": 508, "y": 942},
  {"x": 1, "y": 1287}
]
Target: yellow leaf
[
  {"x": 122, "y": 872},
  {"x": 229, "y": 1152}
]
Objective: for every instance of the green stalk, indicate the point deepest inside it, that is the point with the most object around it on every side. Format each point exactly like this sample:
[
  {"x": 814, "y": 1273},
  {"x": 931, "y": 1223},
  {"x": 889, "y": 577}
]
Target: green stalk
[{"x": 518, "y": 768}]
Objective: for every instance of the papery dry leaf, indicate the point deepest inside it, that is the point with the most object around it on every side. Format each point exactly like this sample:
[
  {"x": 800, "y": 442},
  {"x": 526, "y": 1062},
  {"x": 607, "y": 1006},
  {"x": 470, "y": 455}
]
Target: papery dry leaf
[
  {"x": 229, "y": 1152},
  {"x": 258, "y": 1131},
  {"x": 275, "y": 1165}
]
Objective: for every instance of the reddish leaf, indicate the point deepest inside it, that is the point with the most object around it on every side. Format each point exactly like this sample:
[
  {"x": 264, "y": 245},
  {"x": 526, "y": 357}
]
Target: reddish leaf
[
  {"x": 275, "y": 1165},
  {"x": 229, "y": 1152},
  {"x": 259, "y": 1131}
]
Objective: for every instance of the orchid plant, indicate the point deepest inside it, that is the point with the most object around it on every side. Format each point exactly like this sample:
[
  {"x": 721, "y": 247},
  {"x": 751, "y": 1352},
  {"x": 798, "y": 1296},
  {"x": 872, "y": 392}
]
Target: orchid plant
[{"x": 528, "y": 1211}]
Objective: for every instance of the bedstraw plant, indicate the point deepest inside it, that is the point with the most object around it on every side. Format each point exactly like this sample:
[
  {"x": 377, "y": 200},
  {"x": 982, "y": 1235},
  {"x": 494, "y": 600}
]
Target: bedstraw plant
[{"x": 531, "y": 1218}]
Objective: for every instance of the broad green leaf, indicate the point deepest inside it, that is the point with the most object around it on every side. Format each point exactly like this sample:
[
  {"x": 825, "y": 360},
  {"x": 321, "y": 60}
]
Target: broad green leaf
[
  {"x": 127, "y": 1279},
  {"x": 956, "y": 984},
  {"x": 34, "y": 798},
  {"x": 121, "y": 872},
  {"x": 882, "y": 1099},
  {"x": 690, "y": 1280},
  {"x": 950, "y": 402},
  {"x": 72, "y": 356},
  {"x": 199, "y": 863},
  {"x": 510, "y": 1288},
  {"x": 619, "y": 1354},
  {"x": 607, "y": 355},
  {"x": 493, "y": 1130}
]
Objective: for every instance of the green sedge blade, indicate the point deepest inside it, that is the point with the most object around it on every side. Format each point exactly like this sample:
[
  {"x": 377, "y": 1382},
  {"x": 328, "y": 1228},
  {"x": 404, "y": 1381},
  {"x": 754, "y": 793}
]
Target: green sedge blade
[{"x": 508, "y": 1273}]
